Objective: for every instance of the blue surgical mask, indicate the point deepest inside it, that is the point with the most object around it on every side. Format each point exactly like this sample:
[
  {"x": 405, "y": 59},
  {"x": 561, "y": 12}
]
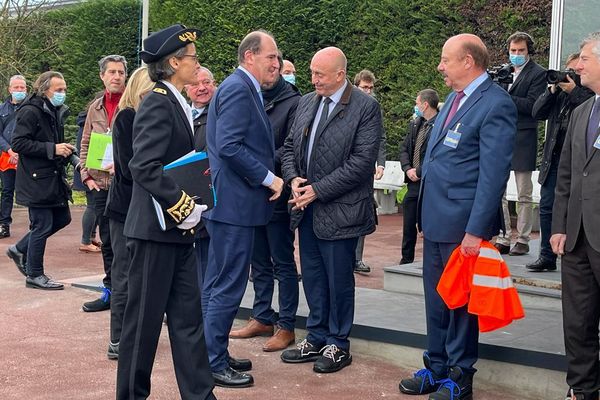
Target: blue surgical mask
[
  {"x": 517, "y": 59},
  {"x": 418, "y": 112},
  {"x": 18, "y": 96},
  {"x": 291, "y": 78},
  {"x": 58, "y": 99}
]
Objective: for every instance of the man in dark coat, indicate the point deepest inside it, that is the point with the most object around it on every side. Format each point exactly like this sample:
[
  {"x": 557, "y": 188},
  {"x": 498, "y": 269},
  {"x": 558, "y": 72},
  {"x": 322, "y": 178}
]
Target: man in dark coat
[
  {"x": 162, "y": 270},
  {"x": 273, "y": 254},
  {"x": 41, "y": 175},
  {"x": 529, "y": 82},
  {"x": 17, "y": 88},
  {"x": 576, "y": 231},
  {"x": 555, "y": 105},
  {"x": 412, "y": 153},
  {"x": 329, "y": 159}
]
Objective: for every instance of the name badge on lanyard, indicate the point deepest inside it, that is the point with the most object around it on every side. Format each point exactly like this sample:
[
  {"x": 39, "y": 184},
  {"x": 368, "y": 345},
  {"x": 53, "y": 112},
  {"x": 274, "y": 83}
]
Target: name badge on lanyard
[
  {"x": 453, "y": 137},
  {"x": 597, "y": 143}
]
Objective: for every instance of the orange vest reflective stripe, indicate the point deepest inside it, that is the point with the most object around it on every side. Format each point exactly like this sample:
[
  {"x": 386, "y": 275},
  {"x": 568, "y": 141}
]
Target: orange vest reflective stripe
[{"x": 484, "y": 283}]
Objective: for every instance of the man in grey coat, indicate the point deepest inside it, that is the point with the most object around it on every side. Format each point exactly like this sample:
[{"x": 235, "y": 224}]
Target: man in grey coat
[{"x": 328, "y": 160}]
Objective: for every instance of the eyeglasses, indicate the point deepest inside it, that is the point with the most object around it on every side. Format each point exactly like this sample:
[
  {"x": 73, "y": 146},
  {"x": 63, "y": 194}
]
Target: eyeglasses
[{"x": 194, "y": 56}]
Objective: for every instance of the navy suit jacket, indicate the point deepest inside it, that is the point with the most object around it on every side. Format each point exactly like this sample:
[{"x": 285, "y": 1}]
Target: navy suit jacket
[
  {"x": 462, "y": 187},
  {"x": 241, "y": 152}
]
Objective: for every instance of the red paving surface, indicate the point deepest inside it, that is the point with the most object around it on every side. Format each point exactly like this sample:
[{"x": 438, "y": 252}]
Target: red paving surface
[{"x": 53, "y": 350}]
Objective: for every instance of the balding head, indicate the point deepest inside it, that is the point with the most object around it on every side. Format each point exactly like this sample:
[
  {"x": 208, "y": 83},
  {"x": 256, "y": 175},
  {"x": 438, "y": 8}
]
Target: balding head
[
  {"x": 258, "y": 53},
  {"x": 464, "y": 58},
  {"x": 328, "y": 70}
]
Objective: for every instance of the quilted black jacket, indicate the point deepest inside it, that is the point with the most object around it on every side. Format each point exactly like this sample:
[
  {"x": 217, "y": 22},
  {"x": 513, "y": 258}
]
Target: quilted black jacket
[{"x": 342, "y": 163}]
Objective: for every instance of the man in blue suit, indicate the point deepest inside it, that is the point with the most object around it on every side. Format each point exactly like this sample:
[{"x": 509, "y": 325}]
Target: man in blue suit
[
  {"x": 464, "y": 173},
  {"x": 241, "y": 153}
]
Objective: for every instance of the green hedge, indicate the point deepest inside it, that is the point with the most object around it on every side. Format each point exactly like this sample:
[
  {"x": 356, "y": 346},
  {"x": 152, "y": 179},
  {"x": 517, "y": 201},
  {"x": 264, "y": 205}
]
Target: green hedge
[{"x": 399, "y": 40}]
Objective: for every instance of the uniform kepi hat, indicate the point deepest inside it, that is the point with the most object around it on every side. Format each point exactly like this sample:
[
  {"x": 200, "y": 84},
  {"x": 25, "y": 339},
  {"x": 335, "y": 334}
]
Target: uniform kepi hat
[{"x": 167, "y": 41}]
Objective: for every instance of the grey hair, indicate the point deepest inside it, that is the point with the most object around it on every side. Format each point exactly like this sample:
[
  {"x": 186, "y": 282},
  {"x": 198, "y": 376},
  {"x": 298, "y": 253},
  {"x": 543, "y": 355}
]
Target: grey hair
[
  {"x": 42, "y": 83},
  {"x": 593, "y": 38},
  {"x": 162, "y": 69},
  {"x": 210, "y": 74},
  {"x": 103, "y": 63},
  {"x": 251, "y": 42},
  {"x": 15, "y": 78}
]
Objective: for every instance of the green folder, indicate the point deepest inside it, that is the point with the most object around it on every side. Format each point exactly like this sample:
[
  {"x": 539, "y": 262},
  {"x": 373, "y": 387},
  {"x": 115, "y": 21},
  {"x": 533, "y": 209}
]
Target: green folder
[{"x": 100, "y": 152}]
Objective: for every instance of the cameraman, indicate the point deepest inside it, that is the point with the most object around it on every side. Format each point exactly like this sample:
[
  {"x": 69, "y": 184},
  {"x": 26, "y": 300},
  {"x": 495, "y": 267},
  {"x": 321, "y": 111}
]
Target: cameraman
[
  {"x": 529, "y": 82},
  {"x": 555, "y": 105}
]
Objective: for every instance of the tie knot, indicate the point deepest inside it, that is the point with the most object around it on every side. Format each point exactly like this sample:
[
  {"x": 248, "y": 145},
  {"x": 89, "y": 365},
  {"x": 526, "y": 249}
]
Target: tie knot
[
  {"x": 460, "y": 94},
  {"x": 597, "y": 103},
  {"x": 195, "y": 113},
  {"x": 327, "y": 100}
]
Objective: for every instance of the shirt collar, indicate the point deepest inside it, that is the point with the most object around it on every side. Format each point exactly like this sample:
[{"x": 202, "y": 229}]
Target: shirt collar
[
  {"x": 337, "y": 96},
  {"x": 474, "y": 84},
  {"x": 182, "y": 102},
  {"x": 252, "y": 78}
]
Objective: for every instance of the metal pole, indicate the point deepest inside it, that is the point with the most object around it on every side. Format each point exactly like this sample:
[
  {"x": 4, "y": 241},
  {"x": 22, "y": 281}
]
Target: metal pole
[{"x": 145, "y": 11}]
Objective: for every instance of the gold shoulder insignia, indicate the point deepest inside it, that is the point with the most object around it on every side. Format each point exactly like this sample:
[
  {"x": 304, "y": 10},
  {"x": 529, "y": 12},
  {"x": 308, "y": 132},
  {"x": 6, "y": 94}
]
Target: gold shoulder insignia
[
  {"x": 159, "y": 90},
  {"x": 182, "y": 208},
  {"x": 188, "y": 37}
]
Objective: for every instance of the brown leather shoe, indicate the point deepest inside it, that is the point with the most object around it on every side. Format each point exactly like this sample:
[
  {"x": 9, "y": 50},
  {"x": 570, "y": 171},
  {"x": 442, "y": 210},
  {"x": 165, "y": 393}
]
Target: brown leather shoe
[
  {"x": 89, "y": 248},
  {"x": 280, "y": 340},
  {"x": 253, "y": 328}
]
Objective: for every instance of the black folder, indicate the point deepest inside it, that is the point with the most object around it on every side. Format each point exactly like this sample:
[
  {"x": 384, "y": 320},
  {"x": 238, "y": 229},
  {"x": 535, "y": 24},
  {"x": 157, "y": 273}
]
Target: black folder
[{"x": 192, "y": 174}]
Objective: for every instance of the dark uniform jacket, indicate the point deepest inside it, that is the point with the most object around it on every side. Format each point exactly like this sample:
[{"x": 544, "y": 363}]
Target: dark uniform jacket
[
  {"x": 200, "y": 145},
  {"x": 280, "y": 106},
  {"x": 161, "y": 134},
  {"x": 407, "y": 149},
  {"x": 119, "y": 193},
  {"x": 576, "y": 204},
  {"x": 525, "y": 90},
  {"x": 342, "y": 163},
  {"x": 556, "y": 108},
  {"x": 7, "y": 123},
  {"x": 41, "y": 175}
]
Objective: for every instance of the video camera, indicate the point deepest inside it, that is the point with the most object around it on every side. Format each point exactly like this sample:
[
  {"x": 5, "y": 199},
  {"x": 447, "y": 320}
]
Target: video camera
[
  {"x": 502, "y": 73},
  {"x": 553, "y": 77}
]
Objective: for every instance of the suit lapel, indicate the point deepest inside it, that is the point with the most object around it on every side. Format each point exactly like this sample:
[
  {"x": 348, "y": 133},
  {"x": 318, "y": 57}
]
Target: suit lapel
[
  {"x": 256, "y": 97},
  {"x": 521, "y": 76},
  {"x": 180, "y": 110},
  {"x": 469, "y": 102},
  {"x": 587, "y": 111}
]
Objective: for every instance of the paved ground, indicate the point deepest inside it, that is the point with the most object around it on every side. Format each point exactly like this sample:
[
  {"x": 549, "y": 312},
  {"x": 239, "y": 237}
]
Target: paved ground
[{"x": 52, "y": 350}]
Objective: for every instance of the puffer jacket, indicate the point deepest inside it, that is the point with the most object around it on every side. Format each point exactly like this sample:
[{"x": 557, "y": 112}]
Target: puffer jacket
[
  {"x": 41, "y": 175},
  {"x": 342, "y": 163}
]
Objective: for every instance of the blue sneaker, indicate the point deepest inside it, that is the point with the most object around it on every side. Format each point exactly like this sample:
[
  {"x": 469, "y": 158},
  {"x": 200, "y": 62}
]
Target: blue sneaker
[
  {"x": 458, "y": 386},
  {"x": 101, "y": 304},
  {"x": 422, "y": 382}
]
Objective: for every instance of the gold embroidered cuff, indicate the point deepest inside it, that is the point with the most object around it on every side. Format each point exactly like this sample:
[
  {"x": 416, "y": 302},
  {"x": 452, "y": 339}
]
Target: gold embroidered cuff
[{"x": 182, "y": 208}]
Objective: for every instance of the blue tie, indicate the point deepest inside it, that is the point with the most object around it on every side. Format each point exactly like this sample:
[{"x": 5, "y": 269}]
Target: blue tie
[
  {"x": 195, "y": 113},
  {"x": 592, "y": 130}
]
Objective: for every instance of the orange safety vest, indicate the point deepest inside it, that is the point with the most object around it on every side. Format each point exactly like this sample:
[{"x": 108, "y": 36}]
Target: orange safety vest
[
  {"x": 5, "y": 162},
  {"x": 484, "y": 283}
]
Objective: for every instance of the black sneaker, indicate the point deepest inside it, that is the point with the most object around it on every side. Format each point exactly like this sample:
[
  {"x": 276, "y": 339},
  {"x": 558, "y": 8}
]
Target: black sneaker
[
  {"x": 101, "y": 304},
  {"x": 113, "y": 351},
  {"x": 333, "y": 359},
  {"x": 305, "y": 352},
  {"x": 458, "y": 386},
  {"x": 422, "y": 382},
  {"x": 4, "y": 231},
  {"x": 361, "y": 268},
  {"x": 18, "y": 258}
]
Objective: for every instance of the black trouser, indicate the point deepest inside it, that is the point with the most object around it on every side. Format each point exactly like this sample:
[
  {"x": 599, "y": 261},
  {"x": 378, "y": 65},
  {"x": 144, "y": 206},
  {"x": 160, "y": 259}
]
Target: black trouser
[
  {"x": 43, "y": 223},
  {"x": 100, "y": 197},
  {"x": 119, "y": 272},
  {"x": 409, "y": 224},
  {"x": 7, "y": 196},
  {"x": 88, "y": 220},
  {"x": 163, "y": 278},
  {"x": 580, "y": 271}
]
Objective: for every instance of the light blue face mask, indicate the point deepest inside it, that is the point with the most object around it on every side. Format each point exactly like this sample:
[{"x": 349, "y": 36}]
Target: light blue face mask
[
  {"x": 58, "y": 99},
  {"x": 18, "y": 96},
  {"x": 517, "y": 59},
  {"x": 291, "y": 78},
  {"x": 418, "y": 112}
]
